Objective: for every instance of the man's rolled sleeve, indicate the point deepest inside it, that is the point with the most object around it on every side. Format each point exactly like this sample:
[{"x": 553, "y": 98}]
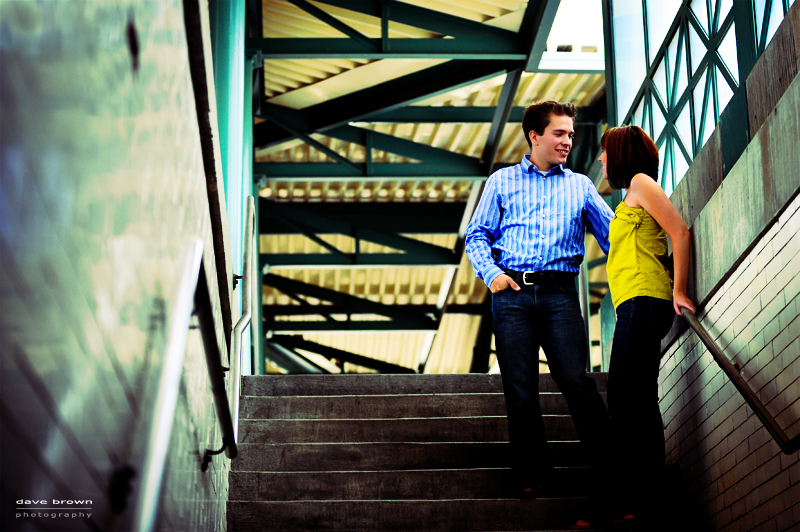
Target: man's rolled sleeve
[
  {"x": 598, "y": 216},
  {"x": 482, "y": 232}
]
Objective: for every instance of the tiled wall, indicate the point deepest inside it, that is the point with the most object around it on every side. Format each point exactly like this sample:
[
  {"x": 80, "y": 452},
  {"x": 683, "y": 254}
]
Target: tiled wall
[
  {"x": 746, "y": 254},
  {"x": 742, "y": 479},
  {"x": 102, "y": 187}
]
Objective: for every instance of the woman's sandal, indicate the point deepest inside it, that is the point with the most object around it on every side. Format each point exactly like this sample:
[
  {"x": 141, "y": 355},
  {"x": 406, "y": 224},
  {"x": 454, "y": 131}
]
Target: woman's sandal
[
  {"x": 628, "y": 520},
  {"x": 580, "y": 525}
]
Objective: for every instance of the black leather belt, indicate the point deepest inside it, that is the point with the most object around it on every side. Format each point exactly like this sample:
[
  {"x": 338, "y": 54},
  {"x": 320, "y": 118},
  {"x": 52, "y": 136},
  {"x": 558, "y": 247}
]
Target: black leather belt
[{"x": 547, "y": 278}]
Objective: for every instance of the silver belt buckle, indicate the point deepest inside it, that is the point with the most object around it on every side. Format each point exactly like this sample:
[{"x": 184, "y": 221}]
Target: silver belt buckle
[{"x": 525, "y": 279}]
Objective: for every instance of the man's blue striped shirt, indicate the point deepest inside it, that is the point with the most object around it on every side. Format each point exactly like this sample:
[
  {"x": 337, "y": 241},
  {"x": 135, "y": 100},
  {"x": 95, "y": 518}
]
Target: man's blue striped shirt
[{"x": 530, "y": 221}]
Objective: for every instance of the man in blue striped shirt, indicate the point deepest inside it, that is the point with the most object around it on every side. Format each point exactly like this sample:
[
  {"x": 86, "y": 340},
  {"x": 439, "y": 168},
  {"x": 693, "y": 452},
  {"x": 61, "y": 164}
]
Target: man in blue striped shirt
[{"x": 526, "y": 241}]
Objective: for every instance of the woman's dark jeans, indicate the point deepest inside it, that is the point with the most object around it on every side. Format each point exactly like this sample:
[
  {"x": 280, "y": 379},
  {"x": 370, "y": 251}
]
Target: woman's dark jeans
[
  {"x": 638, "y": 431},
  {"x": 550, "y": 317}
]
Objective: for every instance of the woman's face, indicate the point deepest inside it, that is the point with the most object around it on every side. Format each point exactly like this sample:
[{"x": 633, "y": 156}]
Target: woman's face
[{"x": 602, "y": 160}]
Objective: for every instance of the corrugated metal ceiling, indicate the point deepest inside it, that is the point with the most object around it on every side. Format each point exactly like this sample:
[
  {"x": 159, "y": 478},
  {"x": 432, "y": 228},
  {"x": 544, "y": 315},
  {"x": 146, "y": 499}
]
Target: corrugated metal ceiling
[{"x": 300, "y": 83}]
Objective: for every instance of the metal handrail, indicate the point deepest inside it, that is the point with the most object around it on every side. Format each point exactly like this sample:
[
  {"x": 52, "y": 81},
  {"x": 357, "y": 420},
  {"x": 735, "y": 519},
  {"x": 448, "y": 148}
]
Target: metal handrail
[
  {"x": 788, "y": 446},
  {"x": 148, "y": 489},
  {"x": 247, "y": 310}
]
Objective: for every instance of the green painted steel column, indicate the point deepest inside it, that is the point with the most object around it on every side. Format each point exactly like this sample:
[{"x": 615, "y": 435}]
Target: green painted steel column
[{"x": 227, "y": 40}]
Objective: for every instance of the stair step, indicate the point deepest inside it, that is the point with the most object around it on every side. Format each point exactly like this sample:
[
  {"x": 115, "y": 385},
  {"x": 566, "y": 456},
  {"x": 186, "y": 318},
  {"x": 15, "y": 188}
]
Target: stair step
[
  {"x": 418, "y": 515},
  {"x": 373, "y": 384},
  {"x": 487, "y": 428},
  {"x": 388, "y": 406},
  {"x": 388, "y": 456},
  {"x": 430, "y": 484}
]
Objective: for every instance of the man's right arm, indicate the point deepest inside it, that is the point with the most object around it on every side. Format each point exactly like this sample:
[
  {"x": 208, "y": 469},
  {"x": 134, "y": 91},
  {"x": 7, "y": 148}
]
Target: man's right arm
[{"x": 482, "y": 232}]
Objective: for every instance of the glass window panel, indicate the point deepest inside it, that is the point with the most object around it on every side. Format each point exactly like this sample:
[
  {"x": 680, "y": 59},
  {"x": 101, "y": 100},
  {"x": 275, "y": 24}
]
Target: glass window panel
[
  {"x": 629, "y": 59},
  {"x": 665, "y": 175},
  {"x": 681, "y": 166},
  {"x": 700, "y": 9},
  {"x": 660, "y": 15},
  {"x": 646, "y": 117},
  {"x": 698, "y": 50},
  {"x": 637, "y": 114},
  {"x": 684, "y": 126},
  {"x": 759, "y": 6},
  {"x": 775, "y": 18},
  {"x": 680, "y": 74},
  {"x": 724, "y": 92},
  {"x": 660, "y": 80},
  {"x": 710, "y": 123},
  {"x": 727, "y": 51},
  {"x": 724, "y": 9},
  {"x": 658, "y": 120},
  {"x": 697, "y": 97}
]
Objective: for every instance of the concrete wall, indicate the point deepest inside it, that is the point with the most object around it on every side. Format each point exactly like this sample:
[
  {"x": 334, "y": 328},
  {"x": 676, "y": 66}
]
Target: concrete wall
[
  {"x": 746, "y": 259},
  {"x": 102, "y": 186}
]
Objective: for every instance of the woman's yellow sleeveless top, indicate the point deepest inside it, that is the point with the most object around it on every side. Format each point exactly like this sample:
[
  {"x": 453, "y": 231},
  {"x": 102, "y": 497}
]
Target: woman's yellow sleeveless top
[{"x": 637, "y": 244}]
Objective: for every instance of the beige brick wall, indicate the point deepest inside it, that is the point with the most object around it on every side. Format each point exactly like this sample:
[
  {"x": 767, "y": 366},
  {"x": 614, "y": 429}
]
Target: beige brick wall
[{"x": 742, "y": 479}]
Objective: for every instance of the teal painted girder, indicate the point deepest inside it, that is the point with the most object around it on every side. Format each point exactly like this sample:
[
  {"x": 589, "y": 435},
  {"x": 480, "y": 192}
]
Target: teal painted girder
[
  {"x": 381, "y": 171},
  {"x": 396, "y": 217},
  {"x": 350, "y": 326},
  {"x": 294, "y": 342},
  {"x": 400, "y": 146},
  {"x": 420, "y": 17},
  {"x": 491, "y": 48},
  {"x": 386, "y": 96},
  {"x": 371, "y": 260},
  {"x": 310, "y": 223},
  {"x": 399, "y": 318}
]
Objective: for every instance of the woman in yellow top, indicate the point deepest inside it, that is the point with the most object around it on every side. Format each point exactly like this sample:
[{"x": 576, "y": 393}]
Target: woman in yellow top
[{"x": 646, "y": 299}]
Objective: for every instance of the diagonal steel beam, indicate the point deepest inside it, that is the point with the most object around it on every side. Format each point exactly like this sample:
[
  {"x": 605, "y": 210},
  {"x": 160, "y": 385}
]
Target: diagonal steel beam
[
  {"x": 541, "y": 17},
  {"x": 349, "y": 260},
  {"x": 294, "y": 342},
  {"x": 384, "y": 96},
  {"x": 352, "y": 168},
  {"x": 328, "y": 310},
  {"x": 357, "y": 37},
  {"x": 312, "y": 221},
  {"x": 502, "y": 111},
  {"x": 396, "y": 217},
  {"x": 406, "y": 318},
  {"x": 399, "y": 146},
  {"x": 390, "y": 171},
  {"x": 420, "y": 17}
]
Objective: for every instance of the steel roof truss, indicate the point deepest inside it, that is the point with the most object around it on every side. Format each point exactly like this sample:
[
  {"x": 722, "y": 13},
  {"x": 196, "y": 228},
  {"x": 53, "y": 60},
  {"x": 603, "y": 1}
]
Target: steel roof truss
[
  {"x": 293, "y": 343},
  {"x": 399, "y": 146},
  {"x": 401, "y": 319},
  {"x": 355, "y": 35},
  {"x": 501, "y": 114},
  {"x": 382, "y": 171},
  {"x": 397, "y": 217},
  {"x": 420, "y": 17},
  {"x": 384, "y": 96},
  {"x": 309, "y": 223},
  {"x": 484, "y": 47}
]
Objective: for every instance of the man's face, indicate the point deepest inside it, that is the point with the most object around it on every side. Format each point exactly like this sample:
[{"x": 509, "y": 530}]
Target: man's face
[{"x": 552, "y": 147}]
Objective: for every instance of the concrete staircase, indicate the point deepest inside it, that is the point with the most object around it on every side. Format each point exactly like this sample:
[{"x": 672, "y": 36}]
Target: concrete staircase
[{"x": 393, "y": 452}]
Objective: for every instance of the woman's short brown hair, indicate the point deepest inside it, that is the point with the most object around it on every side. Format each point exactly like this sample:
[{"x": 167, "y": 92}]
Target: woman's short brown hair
[{"x": 629, "y": 151}]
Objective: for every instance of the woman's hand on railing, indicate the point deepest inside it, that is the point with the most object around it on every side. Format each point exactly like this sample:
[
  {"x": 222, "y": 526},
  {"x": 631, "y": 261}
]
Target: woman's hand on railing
[{"x": 682, "y": 300}]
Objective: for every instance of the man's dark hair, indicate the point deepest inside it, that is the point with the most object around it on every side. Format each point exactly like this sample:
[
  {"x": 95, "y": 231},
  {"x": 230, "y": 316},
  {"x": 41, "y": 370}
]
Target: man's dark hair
[
  {"x": 537, "y": 116},
  {"x": 629, "y": 151}
]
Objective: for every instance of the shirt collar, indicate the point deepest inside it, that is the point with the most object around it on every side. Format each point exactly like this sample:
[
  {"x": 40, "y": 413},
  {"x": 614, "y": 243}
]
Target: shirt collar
[{"x": 528, "y": 166}]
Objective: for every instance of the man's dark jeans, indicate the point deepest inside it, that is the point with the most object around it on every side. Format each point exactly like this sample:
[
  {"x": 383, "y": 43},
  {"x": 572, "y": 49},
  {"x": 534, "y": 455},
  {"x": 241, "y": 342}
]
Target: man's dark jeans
[
  {"x": 638, "y": 430},
  {"x": 550, "y": 317}
]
